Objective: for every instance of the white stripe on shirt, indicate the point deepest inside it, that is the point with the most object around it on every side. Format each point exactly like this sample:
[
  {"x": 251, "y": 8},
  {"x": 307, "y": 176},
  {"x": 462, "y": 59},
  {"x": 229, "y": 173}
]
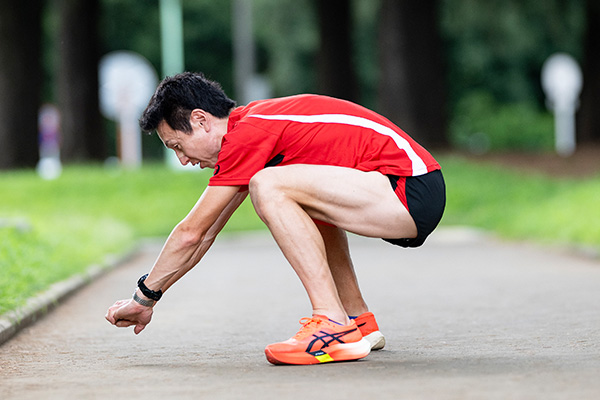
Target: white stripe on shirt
[{"x": 418, "y": 165}]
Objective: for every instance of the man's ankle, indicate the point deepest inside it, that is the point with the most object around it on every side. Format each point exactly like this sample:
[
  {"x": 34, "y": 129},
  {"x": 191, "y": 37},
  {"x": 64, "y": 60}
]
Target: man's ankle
[{"x": 340, "y": 319}]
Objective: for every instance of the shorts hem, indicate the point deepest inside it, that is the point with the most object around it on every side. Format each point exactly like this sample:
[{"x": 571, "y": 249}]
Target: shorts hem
[{"x": 426, "y": 201}]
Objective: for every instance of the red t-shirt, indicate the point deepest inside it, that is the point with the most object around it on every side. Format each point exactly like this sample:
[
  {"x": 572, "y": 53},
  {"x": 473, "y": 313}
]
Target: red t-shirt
[{"x": 312, "y": 129}]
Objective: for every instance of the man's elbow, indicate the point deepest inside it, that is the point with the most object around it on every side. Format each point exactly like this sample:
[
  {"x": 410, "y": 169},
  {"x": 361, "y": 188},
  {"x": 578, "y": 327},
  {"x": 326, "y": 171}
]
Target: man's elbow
[{"x": 188, "y": 236}]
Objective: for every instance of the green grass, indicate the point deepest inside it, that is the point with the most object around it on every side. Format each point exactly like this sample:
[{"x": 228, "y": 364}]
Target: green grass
[
  {"x": 54, "y": 229},
  {"x": 520, "y": 205},
  {"x": 50, "y": 230}
]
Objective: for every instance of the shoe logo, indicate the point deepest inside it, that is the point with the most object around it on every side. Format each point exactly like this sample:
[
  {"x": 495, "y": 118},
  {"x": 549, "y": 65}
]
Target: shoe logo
[{"x": 326, "y": 339}]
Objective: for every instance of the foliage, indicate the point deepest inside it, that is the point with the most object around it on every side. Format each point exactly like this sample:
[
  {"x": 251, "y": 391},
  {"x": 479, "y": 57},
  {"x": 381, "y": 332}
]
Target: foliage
[
  {"x": 521, "y": 205},
  {"x": 207, "y": 40},
  {"x": 495, "y": 47},
  {"x": 481, "y": 124},
  {"x": 366, "y": 50},
  {"x": 500, "y": 45},
  {"x": 135, "y": 26},
  {"x": 131, "y": 25},
  {"x": 495, "y": 51},
  {"x": 286, "y": 31}
]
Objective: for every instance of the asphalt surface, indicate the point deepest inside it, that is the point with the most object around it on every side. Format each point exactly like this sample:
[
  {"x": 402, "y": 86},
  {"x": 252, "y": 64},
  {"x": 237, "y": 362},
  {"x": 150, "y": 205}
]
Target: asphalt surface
[{"x": 465, "y": 317}]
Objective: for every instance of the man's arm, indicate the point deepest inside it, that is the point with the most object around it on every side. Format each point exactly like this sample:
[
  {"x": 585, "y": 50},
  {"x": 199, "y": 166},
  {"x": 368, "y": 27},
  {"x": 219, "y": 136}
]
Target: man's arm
[
  {"x": 192, "y": 244},
  {"x": 184, "y": 248}
]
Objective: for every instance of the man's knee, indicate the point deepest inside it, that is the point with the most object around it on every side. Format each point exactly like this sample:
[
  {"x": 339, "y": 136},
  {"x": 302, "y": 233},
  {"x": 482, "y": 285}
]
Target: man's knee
[
  {"x": 264, "y": 187},
  {"x": 263, "y": 181}
]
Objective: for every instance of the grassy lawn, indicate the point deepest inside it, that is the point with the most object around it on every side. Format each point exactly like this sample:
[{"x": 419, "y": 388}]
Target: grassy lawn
[
  {"x": 519, "y": 205},
  {"x": 50, "y": 230}
]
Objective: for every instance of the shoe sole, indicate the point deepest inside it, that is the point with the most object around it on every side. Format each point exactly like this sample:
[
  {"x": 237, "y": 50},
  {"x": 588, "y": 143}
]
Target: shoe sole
[
  {"x": 340, "y": 352},
  {"x": 376, "y": 339}
]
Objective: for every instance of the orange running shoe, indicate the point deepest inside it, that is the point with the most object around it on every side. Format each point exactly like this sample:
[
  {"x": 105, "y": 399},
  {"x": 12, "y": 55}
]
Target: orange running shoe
[
  {"x": 370, "y": 330},
  {"x": 320, "y": 340}
]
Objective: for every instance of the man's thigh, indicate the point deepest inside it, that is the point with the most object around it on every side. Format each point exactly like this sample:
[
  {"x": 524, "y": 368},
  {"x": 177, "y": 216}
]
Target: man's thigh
[{"x": 356, "y": 201}]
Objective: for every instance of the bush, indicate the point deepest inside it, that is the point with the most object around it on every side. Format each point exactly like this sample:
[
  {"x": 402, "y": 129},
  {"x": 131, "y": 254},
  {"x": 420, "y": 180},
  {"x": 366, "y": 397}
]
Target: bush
[{"x": 481, "y": 124}]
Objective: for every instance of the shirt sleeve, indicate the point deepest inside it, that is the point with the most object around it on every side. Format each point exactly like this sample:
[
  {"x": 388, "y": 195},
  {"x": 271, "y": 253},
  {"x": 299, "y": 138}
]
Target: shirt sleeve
[{"x": 245, "y": 150}]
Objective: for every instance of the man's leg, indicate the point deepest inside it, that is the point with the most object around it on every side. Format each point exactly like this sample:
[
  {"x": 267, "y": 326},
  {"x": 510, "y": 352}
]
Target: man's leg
[
  {"x": 287, "y": 198},
  {"x": 301, "y": 243},
  {"x": 342, "y": 269}
]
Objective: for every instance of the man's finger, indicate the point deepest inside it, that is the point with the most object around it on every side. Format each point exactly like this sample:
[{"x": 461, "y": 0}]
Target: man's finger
[
  {"x": 110, "y": 314},
  {"x": 123, "y": 323},
  {"x": 138, "y": 328}
]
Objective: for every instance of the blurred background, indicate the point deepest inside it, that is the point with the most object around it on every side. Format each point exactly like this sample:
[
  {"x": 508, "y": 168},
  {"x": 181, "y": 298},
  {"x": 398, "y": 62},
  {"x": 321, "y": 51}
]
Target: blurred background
[{"x": 455, "y": 74}]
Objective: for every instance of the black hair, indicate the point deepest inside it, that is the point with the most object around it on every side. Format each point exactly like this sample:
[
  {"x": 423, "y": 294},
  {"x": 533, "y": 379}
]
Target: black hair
[{"x": 176, "y": 97}]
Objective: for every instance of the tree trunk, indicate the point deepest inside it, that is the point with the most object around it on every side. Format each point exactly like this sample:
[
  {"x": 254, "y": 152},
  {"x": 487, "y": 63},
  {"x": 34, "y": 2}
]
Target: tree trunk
[
  {"x": 20, "y": 81},
  {"x": 83, "y": 136},
  {"x": 589, "y": 118},
  {"x": 336, "y": 72},
  {"x": 412, "y": 87}
]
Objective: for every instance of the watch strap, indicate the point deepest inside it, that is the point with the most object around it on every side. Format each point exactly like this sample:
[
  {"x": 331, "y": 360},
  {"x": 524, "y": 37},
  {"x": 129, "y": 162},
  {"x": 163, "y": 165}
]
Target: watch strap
[
  {"x": 151, "y": 294},
  {"x": 145, "y": 303}
]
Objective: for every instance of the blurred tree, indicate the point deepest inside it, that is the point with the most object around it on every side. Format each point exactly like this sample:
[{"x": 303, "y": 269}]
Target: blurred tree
[
  {"x": 412, "y": 86},
  {"x": 364, "y": 36},
  {"x": 287, "y": 39},
  {"x": 20, "y": 81},
  {"x": 500, "y": 45},
  {"x": 589, "y": 117},
  {"x": 336, "y": 72},
  {"x": 83, "y": 136},
  {"x": 131, "y": 25},
  {"x": 208, "y": 40},
  {"x": 497, "y": 48}
]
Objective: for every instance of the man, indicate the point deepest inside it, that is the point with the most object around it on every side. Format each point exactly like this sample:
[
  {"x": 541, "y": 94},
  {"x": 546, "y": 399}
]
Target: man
[{"x": 315, "y": 167}]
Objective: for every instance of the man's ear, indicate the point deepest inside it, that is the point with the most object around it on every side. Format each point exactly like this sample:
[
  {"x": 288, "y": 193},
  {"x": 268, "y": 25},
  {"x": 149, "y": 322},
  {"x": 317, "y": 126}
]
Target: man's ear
[{"x": 199, "y": 118}]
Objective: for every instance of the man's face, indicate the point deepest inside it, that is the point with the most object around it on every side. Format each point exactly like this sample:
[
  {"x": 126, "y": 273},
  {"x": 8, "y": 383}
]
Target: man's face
[{"x": 197, "y": 147}]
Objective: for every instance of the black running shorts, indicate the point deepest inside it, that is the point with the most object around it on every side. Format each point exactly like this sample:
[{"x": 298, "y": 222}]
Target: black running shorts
[{"x": 425, "y": 200}]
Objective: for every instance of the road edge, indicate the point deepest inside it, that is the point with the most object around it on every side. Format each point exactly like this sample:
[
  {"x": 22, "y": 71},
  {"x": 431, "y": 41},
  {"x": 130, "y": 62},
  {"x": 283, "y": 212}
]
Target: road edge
[{"x": 39, "y": 306}]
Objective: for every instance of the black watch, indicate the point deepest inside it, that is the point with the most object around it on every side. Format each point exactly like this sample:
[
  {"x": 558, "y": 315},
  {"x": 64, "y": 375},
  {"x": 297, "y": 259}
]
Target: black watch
[{"x": 151, "y": 294}]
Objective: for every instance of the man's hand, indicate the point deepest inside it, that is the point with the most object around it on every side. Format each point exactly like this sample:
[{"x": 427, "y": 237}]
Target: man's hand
[{"x": 125, "y": 313}]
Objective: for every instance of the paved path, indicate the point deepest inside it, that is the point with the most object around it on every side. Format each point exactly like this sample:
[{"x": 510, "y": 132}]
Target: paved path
[{"x": 466, "y": 317}]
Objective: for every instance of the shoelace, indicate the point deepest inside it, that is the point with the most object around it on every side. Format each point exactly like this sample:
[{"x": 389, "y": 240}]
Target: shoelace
[{"x": 309, "y": 325}]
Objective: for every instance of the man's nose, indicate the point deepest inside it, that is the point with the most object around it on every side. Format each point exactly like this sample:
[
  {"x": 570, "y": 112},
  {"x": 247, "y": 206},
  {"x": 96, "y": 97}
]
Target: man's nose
[{"x": 182, "y": 158}]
